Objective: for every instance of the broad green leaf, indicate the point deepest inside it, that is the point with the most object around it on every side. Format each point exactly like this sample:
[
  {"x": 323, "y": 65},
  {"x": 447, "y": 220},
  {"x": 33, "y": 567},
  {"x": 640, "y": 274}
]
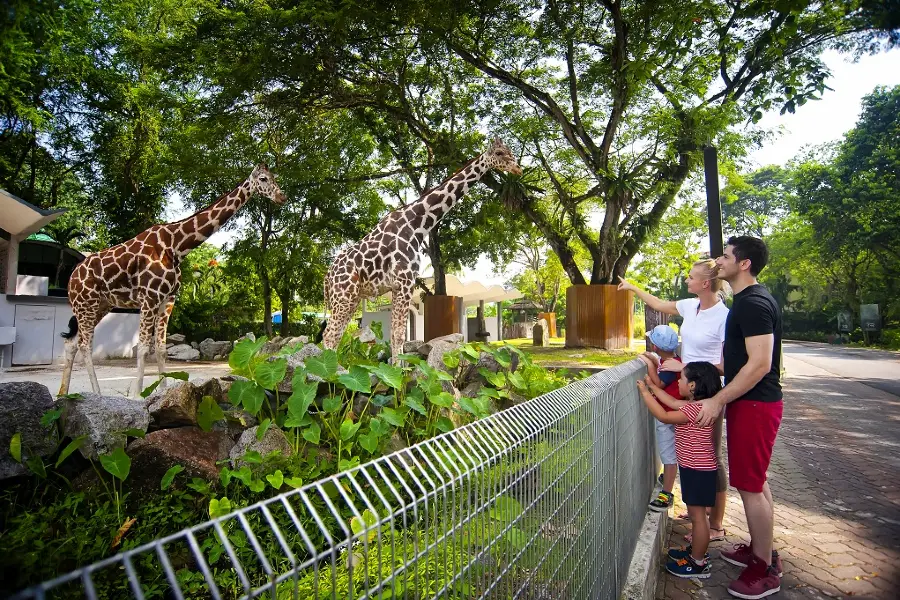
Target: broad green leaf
[
  {"x": 349, "y": 429},
  {"x": 35, "y": 464},
  {"x": 413, "y": 359},
  {"x": 470, "y": 352},
  {"x": 244, "y": 475},
  {"x": 253, "y": 457},
  {"x": 208, "y": 413},
  {"x": 243, "y": 352},
  {"x": 247, "y": 394},
  {"x": 200, "y": 486},
  {"x": 489, "y": 392},
  {"x": 369, "y": 441},
  {"x": 15, "y": 447},
  {"x": 367, "y": 521},
  {"x": 506, "y": 509},
  {"x": 276, "y": 479},
  {"x": 444, "y": 400},
  {"x": 294, "y": 422},
  {"x": 391, "y": 376},
  {"x": 294, "y": 482},
  {"x": 135, "y": 433},
  {"x": 379, "y": 427},
  {"x": 303, "y": 394},
  {"x": 394, "y": 416},
  {"x": 381, "y": 399},
  {"x": 415, "y": 403},
  {"x": 468, "y": 405},
  {"x": 263, "y": 428},
  {"x": 150, "y": 388},
  {"x": 517, "y": 380},
  {"x": 451, "y": 359},
  {"x": 516, "y": 537},
  {"x": 50, "y": 417},
  {"x": 324, "y": 366},
  {"x": 331, "y": 404},
  {"x": 169, "y": 477},
  {"x": 117, "y": 464},
  {"x": 444, "y": 424},
  {"x": 76, "y": 397},
  {"x": 225, "y": 476},
  {"x": 495, "y": 379},
  {"x": 180, "y": 375},
  {"x": 503, "y": 358},
  {"x": 311, "y": 434},
  {"x": 443, "y": 375},
  {"x": 357, "y": 380},
  {"x": 219, "y": 507},
  {"x": 269, "y": 374},
  {"x": 344, "y": 464},
  {"x": 71, "y": 447}
]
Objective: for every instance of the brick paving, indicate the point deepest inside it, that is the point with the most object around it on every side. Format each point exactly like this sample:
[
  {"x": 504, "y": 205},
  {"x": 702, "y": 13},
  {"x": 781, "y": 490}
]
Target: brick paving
[{"x": 835, "y": 478}]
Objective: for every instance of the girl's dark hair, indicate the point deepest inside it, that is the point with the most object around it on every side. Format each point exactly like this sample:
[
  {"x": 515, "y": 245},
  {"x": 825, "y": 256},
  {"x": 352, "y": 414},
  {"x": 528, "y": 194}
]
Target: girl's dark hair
[{"x": 705, "y": 377}]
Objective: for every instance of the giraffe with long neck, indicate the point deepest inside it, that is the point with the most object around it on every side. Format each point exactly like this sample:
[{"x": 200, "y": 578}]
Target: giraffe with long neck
[
  {"x": 144, "y": 272},
  {"x": 389, "y": 257}
]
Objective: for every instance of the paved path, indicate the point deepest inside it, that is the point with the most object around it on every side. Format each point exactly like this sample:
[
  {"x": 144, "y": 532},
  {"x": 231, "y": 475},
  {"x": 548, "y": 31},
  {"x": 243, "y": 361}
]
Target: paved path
[{"x": 835, "y": 477}]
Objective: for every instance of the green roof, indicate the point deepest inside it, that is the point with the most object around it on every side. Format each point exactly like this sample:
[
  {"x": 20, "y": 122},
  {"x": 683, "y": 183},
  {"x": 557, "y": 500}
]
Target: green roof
[{"x": 40, "y": 237}]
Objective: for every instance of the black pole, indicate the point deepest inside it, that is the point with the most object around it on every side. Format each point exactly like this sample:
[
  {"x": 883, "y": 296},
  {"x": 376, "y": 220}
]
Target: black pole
[{"x": 713, "y": 202}]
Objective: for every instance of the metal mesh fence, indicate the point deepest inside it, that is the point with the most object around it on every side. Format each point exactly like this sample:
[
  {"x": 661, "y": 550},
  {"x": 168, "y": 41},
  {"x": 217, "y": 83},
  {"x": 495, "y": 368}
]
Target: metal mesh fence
[{"x": 541, "y": 501}]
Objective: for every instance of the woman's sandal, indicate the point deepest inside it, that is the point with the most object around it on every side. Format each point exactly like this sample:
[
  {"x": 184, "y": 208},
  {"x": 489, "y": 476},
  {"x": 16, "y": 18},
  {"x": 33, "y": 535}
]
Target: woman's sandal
[{"x": 712, "y": 537}]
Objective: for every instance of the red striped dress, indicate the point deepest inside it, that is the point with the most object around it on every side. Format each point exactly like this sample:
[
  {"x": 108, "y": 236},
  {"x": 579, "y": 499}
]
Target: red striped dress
[{"x": 693, "y": 444}]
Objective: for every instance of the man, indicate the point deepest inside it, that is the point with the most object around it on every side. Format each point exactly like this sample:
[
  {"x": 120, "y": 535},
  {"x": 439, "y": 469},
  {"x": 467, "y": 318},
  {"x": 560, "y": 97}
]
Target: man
[{"x": 753, "y": 402}]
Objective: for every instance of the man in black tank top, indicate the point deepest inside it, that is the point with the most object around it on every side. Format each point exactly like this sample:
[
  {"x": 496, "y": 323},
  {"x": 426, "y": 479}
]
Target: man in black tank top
[{"x": 753, "y": 408}]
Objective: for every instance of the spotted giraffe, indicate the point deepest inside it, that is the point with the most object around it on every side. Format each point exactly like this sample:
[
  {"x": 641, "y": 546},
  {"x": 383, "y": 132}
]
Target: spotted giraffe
[
  {"x": 144, "y": 273},
  {"x": 388, "y": 258}
]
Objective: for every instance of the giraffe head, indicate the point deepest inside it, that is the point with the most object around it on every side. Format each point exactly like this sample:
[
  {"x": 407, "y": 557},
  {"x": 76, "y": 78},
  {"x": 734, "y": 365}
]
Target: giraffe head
[
  {"x": 499, "y": 156},
  {"x": 262, "y": 181}
]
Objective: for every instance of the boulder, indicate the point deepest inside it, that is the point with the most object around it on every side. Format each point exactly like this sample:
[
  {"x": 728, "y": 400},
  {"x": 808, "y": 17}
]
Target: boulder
[
  {"x": 214, "y": 387},
  {"x": 104, "y": 419},
  {"x": 22, "y": 404},
  {"x": 298, "y": 360},
  {"x": 196, "y": 450},
  {"x": 210, "y": 348},
  {"x": 247, "y": 336},
  {"x": 540, "y": 333},
  {"x": 437, "y": 349},
  {"x": 453, "y": 338},
  {"x": 366, "y": 335},
  {"x": 195, "y": 345},
  {"x": 274, "y": 439},
  {"x": 236, "y": 421},
  {"x": 175, "y": 406},
  {"x": 175, "y": 338},
  {"x": 183, "y": 352},
  {"x": 412, "y": 346},
  {"x": 273, "y": 345}
]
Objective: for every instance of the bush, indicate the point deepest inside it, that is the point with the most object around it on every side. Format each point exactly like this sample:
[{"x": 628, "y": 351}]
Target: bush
[{"x": 639, "y": 329}]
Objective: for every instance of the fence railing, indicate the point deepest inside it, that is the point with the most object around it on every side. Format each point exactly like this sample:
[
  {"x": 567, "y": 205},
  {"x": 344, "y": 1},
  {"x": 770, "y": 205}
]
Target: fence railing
[{"x": 541, "y": 501}]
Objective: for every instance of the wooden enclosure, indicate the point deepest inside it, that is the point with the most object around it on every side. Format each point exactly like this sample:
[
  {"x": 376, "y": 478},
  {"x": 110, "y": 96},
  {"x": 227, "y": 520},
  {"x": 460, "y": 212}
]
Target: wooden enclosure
[
  {"x": 551, "y": 321},
  {"x": 599, "y": 316},
  {"x": 442, "y": 316}
]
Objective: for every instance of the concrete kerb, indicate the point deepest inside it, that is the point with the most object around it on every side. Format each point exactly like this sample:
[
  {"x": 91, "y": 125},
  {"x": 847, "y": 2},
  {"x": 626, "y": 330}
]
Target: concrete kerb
[{"x": 644, "y": 570}]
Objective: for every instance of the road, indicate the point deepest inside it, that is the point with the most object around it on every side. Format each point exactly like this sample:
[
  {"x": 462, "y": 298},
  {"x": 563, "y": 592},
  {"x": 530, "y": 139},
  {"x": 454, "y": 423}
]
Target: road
[{"x": 876, "y": 368}]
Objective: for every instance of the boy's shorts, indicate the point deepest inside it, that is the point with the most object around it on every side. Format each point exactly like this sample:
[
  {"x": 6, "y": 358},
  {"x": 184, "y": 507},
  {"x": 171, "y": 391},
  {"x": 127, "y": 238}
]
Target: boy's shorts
[
  {"x": 698, "y": 488},
  {"x": 665, "y": 443},
  {"x": 751, "y": 427}
]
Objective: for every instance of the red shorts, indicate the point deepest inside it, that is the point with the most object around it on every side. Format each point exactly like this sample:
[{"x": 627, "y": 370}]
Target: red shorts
[{"x": 751, "y": 428}]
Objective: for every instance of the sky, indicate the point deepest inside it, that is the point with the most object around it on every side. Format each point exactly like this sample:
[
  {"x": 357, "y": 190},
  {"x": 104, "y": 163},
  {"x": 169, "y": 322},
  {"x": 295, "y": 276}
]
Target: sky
[{"x": 812, "y": 124}]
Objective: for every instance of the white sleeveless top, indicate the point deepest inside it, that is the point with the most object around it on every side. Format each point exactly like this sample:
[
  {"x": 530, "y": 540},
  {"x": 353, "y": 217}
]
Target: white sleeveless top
[{"x": 702, "y": 332}]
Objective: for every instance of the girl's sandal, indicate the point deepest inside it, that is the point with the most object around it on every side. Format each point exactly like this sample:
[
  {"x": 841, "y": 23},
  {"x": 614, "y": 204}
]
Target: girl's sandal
[{"x": 715, "y": 535}]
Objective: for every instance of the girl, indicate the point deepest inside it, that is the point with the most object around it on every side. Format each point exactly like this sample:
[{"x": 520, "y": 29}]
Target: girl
[{"x": 696, "y": 454}]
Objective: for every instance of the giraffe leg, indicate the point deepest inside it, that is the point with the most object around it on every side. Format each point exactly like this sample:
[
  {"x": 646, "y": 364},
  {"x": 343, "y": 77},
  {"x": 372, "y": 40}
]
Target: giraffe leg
[
  {"x": 149, "y": 315},
  {"x": 401, "y": 296},
  {"x": 162, "y": 327},
  {"x": 342, "y": 309},
  {"x": 71, "y": 349},
  {"x": 87, "y": 322}
]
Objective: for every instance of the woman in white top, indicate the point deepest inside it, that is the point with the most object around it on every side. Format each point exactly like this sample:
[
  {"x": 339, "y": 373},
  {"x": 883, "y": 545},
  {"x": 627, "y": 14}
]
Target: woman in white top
[{"x": 702, "y": 336}]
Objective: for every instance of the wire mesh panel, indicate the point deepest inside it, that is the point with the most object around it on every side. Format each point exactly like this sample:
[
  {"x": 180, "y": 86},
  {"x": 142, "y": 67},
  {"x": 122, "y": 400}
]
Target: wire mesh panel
[{"x": 541, "y": 501}]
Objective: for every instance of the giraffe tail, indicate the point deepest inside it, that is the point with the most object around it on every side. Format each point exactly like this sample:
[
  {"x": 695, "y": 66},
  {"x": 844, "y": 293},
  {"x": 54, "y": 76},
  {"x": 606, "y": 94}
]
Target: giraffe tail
[
  {"x": 73, "y": 329},
  {"x": 321, "y": 334}
]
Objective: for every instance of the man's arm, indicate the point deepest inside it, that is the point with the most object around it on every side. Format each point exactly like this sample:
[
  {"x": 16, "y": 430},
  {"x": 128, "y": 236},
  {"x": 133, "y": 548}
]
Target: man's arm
[
  {"x": 665, "y": 398},
  {"x": 674, "y": 418},
  {"x": 759, "y": 362}
]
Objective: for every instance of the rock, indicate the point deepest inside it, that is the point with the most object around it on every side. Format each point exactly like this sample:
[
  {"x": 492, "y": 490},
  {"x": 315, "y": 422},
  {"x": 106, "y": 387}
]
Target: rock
[
  {"x": 454, "y": 338},
  {"x": 540, "y": 333},
  {"x": 168, "y": 345},
  {"x": 298, "y": 360},
  {"x": 274, "y": 439},
  {"x": 210, "y": 348},
  {"x": 366, "y": 335},
  {"x": 22, "y": 404},
  {"x": 272, "y": 346},
  {"x": 247, "y": 336},
  {"x": 196, "y": 450},
  {"x": 298, "y": 340},
  {"x": 104, "y": 419},
  {"x": 195, "y": 345},
  {"x": 183, "y": 352},
  {"x": 412, "y": 346},
  {"x": 437, "y": 351},
  {"x": 236, "y": 421},
  {"x": 213, "y": 387},
  {"x": 225, "y": 383},
  {"x": 174, "y": 406},
  {"x": 175, "y": 338}
]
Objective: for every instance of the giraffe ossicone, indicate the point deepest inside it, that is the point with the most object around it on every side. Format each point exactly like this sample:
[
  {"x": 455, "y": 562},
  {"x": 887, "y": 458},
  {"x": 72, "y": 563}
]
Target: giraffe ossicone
[
  {"x": 389, "y": 257},
  {"x": 144, "y": 272}
]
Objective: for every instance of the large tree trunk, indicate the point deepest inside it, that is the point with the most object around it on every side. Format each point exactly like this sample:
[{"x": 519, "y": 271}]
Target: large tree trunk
[
  {"x": 434, "y": 253},
  {"x": 285, "y": 297}
]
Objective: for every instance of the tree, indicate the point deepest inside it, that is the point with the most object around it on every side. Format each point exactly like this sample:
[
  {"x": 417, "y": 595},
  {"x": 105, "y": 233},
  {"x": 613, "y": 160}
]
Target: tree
[
  {"x": 542, "y": 279},
  {"x": 752, "y": 205}
]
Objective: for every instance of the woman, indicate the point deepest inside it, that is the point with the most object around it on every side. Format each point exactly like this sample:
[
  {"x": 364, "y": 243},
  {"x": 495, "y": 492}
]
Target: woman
[{"x": 702, "y": 336}]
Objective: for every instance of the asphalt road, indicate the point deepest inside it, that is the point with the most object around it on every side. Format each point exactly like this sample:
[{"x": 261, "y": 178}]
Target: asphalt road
[{"x": 879, "y": 369}]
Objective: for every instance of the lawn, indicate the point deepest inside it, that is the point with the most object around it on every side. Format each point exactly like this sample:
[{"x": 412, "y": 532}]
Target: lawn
[{"x": 557, "y": 355}]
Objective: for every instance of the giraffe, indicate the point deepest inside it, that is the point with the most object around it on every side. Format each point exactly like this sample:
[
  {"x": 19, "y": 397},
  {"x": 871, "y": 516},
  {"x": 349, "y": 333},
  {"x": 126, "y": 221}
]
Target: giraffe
[
  {"x": 388, "y": 258},
  {"x": 144, "y": 273}
]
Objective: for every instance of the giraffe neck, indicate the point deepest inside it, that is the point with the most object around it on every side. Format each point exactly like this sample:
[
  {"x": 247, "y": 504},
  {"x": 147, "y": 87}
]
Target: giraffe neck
[
  {"x": 438, "y": 201},
  {"x": 196, "y": 229}
]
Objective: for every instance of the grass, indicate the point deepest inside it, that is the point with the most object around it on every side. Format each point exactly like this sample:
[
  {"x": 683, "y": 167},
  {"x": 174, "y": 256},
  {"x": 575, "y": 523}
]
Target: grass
[{"x": 557, "y": 355}]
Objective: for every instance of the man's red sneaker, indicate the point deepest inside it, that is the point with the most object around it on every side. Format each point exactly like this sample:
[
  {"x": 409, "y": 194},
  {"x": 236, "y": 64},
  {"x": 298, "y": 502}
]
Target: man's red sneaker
[
  {"x": 757, "y": 580},
  {"x": 741, "y": 555}
]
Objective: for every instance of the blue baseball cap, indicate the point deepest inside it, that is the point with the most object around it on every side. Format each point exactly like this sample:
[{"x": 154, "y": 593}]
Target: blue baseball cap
[{"x": 664, "y": 338}]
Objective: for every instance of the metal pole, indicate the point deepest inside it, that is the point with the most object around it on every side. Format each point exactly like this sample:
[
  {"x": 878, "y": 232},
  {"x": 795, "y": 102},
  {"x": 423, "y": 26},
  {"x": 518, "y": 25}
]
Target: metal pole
[{"x": 713, "y": 201}]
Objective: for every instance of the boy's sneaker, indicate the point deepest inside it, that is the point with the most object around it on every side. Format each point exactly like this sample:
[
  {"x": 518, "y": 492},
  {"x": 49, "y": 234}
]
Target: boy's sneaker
[
  {"x": 660, "y": 479},
  {"x": 757, "y": 580},
  {"x": 741, "y": 556},
  {"x": 688, "y": 569},
  {"x": 663, "y": 501},
  {"x": 679, "y": 553}
]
